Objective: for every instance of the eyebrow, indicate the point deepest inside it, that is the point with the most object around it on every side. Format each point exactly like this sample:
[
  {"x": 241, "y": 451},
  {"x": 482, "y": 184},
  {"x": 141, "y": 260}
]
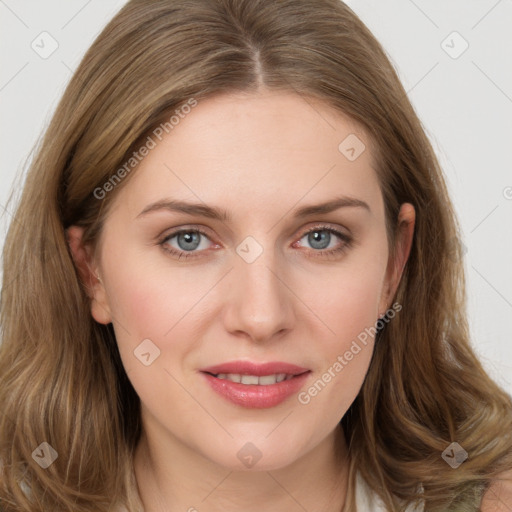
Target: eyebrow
[{"x": 220, "y": 214}]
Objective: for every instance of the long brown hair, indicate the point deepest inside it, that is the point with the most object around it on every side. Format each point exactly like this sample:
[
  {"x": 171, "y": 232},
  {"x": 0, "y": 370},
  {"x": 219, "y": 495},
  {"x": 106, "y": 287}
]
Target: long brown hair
[{"x": 61, "y": 377}]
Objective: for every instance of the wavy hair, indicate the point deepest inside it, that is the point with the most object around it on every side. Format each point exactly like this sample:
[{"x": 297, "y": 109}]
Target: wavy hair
[{"x": 425, "y": 387}]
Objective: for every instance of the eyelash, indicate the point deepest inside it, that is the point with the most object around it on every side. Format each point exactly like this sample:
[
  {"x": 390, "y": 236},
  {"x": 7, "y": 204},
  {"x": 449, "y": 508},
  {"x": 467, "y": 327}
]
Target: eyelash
[{"x": 326, "y": 253}]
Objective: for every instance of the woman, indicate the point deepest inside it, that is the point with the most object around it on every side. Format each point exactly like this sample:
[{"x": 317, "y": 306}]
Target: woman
[{"x": 238, "y": 282}]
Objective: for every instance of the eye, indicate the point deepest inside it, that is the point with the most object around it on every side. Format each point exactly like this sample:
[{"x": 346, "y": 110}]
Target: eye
[
  {"x": 322, "y": 239},
  {"x": 187, "y": 241}
]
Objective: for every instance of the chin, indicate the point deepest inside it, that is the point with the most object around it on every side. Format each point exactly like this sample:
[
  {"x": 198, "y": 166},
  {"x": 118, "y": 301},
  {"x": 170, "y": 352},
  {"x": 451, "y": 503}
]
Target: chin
[{"x": 265, "y": 455}]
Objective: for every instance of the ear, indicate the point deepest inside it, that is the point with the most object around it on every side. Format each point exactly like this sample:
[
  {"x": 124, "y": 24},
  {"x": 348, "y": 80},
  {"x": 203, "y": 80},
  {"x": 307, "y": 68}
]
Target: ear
[
  {"x": 88, "y": 270},
  {"x": 397, "y": 261}
]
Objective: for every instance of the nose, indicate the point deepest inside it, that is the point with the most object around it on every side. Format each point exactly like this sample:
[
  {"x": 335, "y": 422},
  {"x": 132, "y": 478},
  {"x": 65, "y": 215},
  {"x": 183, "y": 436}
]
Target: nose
[{"x": 259, "y": 303}]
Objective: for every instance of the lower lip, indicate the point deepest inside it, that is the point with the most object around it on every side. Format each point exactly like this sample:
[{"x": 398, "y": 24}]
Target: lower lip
[{"x": 256, "y": 396}]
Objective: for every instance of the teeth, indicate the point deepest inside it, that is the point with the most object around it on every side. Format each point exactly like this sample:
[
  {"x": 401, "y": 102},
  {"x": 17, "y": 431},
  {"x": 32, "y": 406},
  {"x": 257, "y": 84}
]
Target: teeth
[
  {"x": 264, "y": 380},
  {"x": 249, "y": 379}
]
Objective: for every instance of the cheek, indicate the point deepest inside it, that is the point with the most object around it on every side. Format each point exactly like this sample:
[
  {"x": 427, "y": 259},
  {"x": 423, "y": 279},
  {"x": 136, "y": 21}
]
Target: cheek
[
  {"x": 133, "y": 304},
  {"x": 352, "y": 315},
  {"x": 351, "y": 303},
  {"x": 144, "y": 308},
  {"x": 350, "y": 309},
  {"x": 146, "y": 297},
  {"x": 149, "y": 301}
]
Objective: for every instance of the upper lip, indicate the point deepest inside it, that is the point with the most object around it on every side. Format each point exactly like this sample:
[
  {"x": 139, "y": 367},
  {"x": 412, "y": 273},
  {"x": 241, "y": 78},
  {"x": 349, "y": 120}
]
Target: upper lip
[{"x": 257, "y": 369}]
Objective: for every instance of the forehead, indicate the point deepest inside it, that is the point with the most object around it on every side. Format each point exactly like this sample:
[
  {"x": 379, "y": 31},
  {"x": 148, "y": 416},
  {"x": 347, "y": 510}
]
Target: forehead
[{"x": 252, "y": 150}]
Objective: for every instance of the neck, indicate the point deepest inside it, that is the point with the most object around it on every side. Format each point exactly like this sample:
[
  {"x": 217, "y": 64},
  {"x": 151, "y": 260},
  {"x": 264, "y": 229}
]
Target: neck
[{"x": 186, "y": 481}]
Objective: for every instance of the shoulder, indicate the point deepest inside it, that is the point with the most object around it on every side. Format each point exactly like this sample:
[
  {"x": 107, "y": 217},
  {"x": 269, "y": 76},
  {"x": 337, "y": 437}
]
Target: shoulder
[{"x": 498, "y": 497}]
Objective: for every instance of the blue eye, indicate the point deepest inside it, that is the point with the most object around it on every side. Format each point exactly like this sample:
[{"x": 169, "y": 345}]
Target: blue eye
[
  {"x": 189, "y": 243},
  {"x": 188, "y": 240},
  {"x": 320, "y": 238}
]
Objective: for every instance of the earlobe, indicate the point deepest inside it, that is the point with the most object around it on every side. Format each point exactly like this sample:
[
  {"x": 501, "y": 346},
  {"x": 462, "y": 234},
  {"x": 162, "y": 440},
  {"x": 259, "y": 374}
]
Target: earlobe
[{"x": 86, "y": 267}]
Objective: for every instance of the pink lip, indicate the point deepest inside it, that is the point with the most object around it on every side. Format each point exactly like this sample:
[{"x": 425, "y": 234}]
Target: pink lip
[
  {"x": 258, "y": 369},
  {"x": 255, "y": 396}
]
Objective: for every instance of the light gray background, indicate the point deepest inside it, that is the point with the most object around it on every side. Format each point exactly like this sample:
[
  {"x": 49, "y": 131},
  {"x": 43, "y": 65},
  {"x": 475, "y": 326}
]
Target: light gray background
[{"x": 465, "y": 104}]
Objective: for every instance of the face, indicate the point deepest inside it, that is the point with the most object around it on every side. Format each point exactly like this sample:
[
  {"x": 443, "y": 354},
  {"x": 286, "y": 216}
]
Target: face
[{"x": 214, "y": 304}]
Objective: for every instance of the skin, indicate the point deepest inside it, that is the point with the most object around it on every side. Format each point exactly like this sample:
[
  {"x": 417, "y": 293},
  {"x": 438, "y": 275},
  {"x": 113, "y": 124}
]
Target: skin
[
  {"x": 260, "y": 156},
  {"x": 498, "y": 497}
]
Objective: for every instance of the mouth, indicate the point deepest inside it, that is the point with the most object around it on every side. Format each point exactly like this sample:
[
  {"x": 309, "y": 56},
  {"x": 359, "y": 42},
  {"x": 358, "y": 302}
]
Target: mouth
[
  {"x": 254, "y": 385},
  {"x": 254, "y": 380}
]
